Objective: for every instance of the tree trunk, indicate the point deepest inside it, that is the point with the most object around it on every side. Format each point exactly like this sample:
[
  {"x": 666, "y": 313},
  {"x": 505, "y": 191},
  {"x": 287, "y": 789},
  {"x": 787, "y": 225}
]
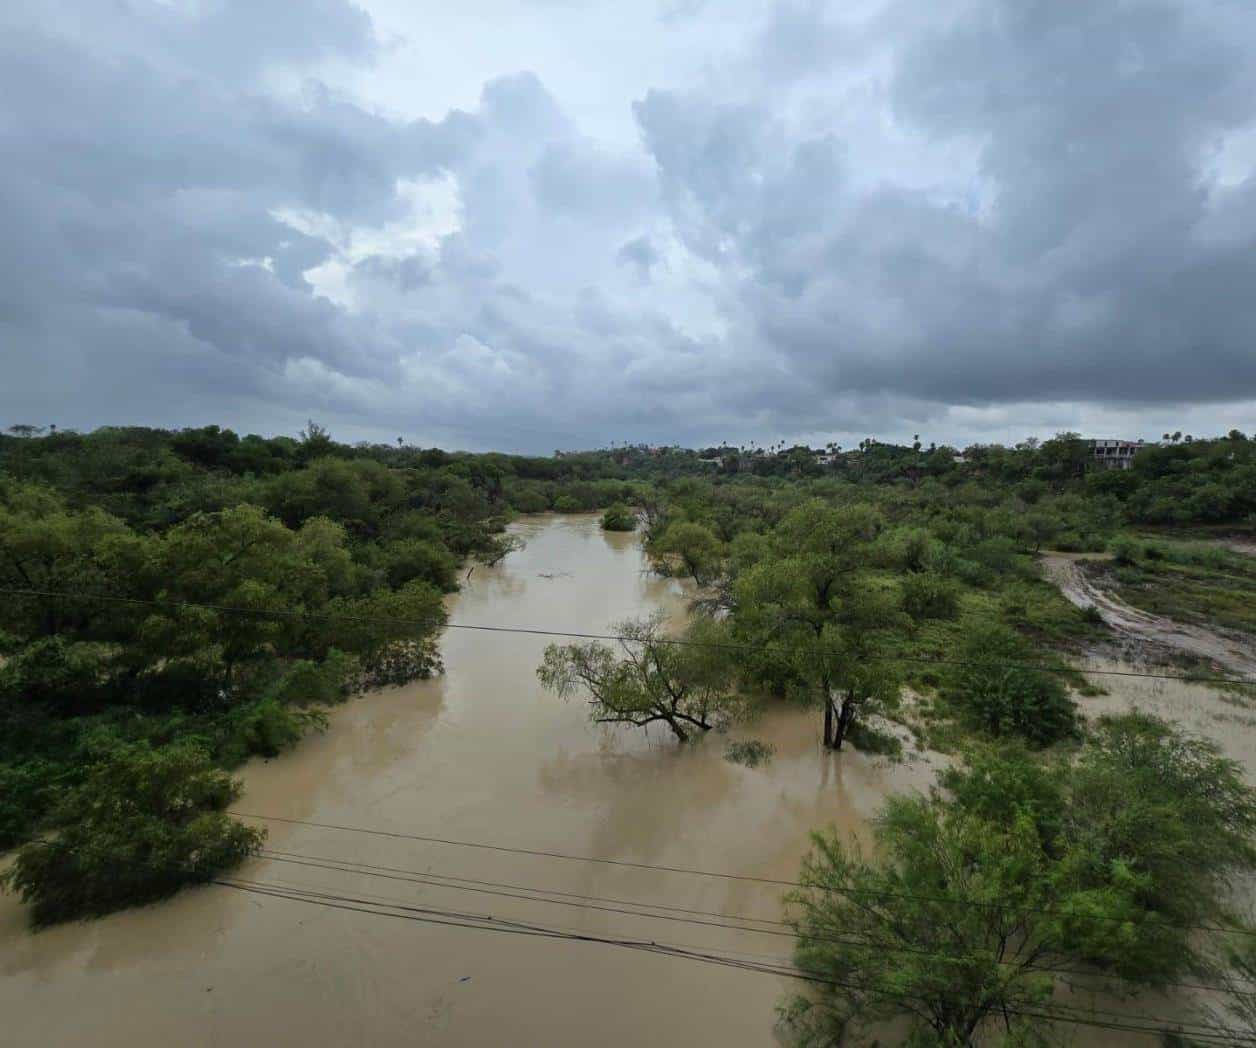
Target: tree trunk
[
  {"x": 844, "y": 717},
  {"x": 828, "y": 723}
]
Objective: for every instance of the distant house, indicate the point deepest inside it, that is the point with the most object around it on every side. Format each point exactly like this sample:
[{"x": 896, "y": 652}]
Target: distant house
[{"x": 1115, "y": 454}]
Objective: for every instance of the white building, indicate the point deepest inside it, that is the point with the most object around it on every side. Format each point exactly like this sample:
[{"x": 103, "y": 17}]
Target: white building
[{"x": 1115, "y": 454}]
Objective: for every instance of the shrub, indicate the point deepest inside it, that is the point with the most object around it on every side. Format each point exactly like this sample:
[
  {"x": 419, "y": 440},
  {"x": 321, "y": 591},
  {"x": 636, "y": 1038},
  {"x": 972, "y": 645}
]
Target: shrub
[
  {"x": 25, "y": 791},
  {"x": 997, "y": 554},
  {"x": 412, "y": 559},
  {"x": 996, "y": 690},
  {"x": 266, "y": 729},
  {"x": 1092, "y": 615},
  {"x": 929, "y": 596},
  {"x": 904, "y": 549},
  {"x": 307, "y": 683},
  {"x": 144, "y": 823},
  {"x": 619, "y": 518},
  {"x": 751, "y": 753},
  {"x": 566, "y": 504},
  {"x": 529, "y": 501},
  {"x": 1124, "y": 551},
  {"x": 867, "y": 739}
]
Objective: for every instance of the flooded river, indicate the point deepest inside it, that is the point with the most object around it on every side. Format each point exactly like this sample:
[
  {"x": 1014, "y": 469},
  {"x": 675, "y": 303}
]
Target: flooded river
[{"x": 483, "y": 755}]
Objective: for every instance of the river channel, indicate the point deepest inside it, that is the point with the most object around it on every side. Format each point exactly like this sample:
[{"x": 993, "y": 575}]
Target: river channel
[{"x": 483, "y": 755}]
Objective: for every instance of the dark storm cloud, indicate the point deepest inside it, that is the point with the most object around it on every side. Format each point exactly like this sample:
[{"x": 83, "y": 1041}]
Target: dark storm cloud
[
  {"x": 1088, "y": 273},
  {"x": 867, "y": 219}
]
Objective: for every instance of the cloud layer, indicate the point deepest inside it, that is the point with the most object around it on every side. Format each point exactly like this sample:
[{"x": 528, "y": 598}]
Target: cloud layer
[{"x": 972, "y": 219}]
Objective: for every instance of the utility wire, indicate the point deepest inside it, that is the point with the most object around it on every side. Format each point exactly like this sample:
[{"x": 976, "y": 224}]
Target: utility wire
[
  {"x": 593, "y": 902},
  {"x": 743, "y": 877},
  {"x": 574, "y": 635},
  {"x": 489, "y": 922}
]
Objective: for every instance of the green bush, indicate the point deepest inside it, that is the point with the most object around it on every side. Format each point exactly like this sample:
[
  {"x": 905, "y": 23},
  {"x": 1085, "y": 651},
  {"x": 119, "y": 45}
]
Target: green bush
[
  {"x": 412, "y": 559},
  {"x": 1124, "y": 551},
  {"x": 144, "y": 823},
  {"x": 26, "y": 791},
  {"x": 619, "y": 518},
  {"x": 751, "y": 752},
  {"x": 867, "y": 739},
  {"x": 266, "y": 729},
  {"x": 995, "y": 688},
  {"x": 566, "y": 504},
  {"x": 306, "y": 683},
  {"x": 929, "y": 596},
  {"x": 997, "y": 554},
  {"x": 529, "y": 501}
]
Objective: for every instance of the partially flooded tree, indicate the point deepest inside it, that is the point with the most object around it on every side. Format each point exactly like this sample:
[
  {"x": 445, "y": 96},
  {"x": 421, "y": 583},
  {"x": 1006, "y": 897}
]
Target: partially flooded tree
[
  {"x": 823, "y": 622},
  {"x": 1102, "y": 865},
  {"x": 910, "y": 937},
  {"x": 693, "y": 549},
  {"x": 688, "y": 686}
]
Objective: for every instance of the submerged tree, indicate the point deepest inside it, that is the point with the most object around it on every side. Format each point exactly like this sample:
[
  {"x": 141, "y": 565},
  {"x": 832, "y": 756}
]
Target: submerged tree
[
  {"x": 619, "y": 518},
  {"x": 687, "y": 685},
  {"x": 144, "y": 823}
]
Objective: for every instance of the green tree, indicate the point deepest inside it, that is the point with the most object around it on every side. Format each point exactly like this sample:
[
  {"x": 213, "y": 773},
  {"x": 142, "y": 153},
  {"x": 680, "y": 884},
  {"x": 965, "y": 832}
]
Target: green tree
[
  {"x": 619, "y": 518},
  {"x": 910, "y": 937},
  {"x": 818, "y": 623},
  {"x": 694, "y": 546},
  {"x": 1165, "y": 821},
  {"x": 1101, "y": 866},
  {"x": 143, "y": 824},
  {"x": 929, "y": 596},
  {"x": 687, "y": 686}
]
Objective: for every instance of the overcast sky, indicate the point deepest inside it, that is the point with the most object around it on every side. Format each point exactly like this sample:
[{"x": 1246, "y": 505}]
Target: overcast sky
[{"x": 555, "y": 223}]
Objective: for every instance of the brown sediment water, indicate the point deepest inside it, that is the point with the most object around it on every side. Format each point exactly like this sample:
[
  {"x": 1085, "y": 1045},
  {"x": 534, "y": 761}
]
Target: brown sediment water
[
  {"x": 1143, "y": 627},
  {"x": 481, "y": 754},
  {"x": 1227, "y": 718}
]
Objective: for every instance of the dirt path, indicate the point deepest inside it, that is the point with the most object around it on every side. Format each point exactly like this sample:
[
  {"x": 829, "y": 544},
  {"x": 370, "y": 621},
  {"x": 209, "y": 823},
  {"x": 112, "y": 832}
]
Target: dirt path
[{"x": 1156, "y": 630}]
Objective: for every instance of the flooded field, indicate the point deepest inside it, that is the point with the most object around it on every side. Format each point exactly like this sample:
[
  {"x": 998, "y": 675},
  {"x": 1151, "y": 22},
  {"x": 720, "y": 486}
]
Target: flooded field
[{"x": 482, "y": 755}]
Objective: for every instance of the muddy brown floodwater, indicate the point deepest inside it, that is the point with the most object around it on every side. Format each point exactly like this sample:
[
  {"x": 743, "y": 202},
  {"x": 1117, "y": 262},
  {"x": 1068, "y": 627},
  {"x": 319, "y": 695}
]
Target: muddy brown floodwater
[{"x": 481, "y": 754}]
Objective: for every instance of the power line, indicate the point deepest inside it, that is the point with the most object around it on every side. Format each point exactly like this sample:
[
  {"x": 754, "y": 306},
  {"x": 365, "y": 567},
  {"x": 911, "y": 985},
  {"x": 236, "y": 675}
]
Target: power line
[
  {"x": 593, "y": 902},
  {"x": 490, "y": 922},
  {"x": 721, "y": 875},
  {"x": 925, "y": 660}
]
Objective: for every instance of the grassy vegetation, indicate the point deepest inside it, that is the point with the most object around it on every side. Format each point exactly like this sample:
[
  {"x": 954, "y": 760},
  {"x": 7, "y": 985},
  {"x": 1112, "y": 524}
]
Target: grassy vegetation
[{"x": 1183, "y": 580}]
